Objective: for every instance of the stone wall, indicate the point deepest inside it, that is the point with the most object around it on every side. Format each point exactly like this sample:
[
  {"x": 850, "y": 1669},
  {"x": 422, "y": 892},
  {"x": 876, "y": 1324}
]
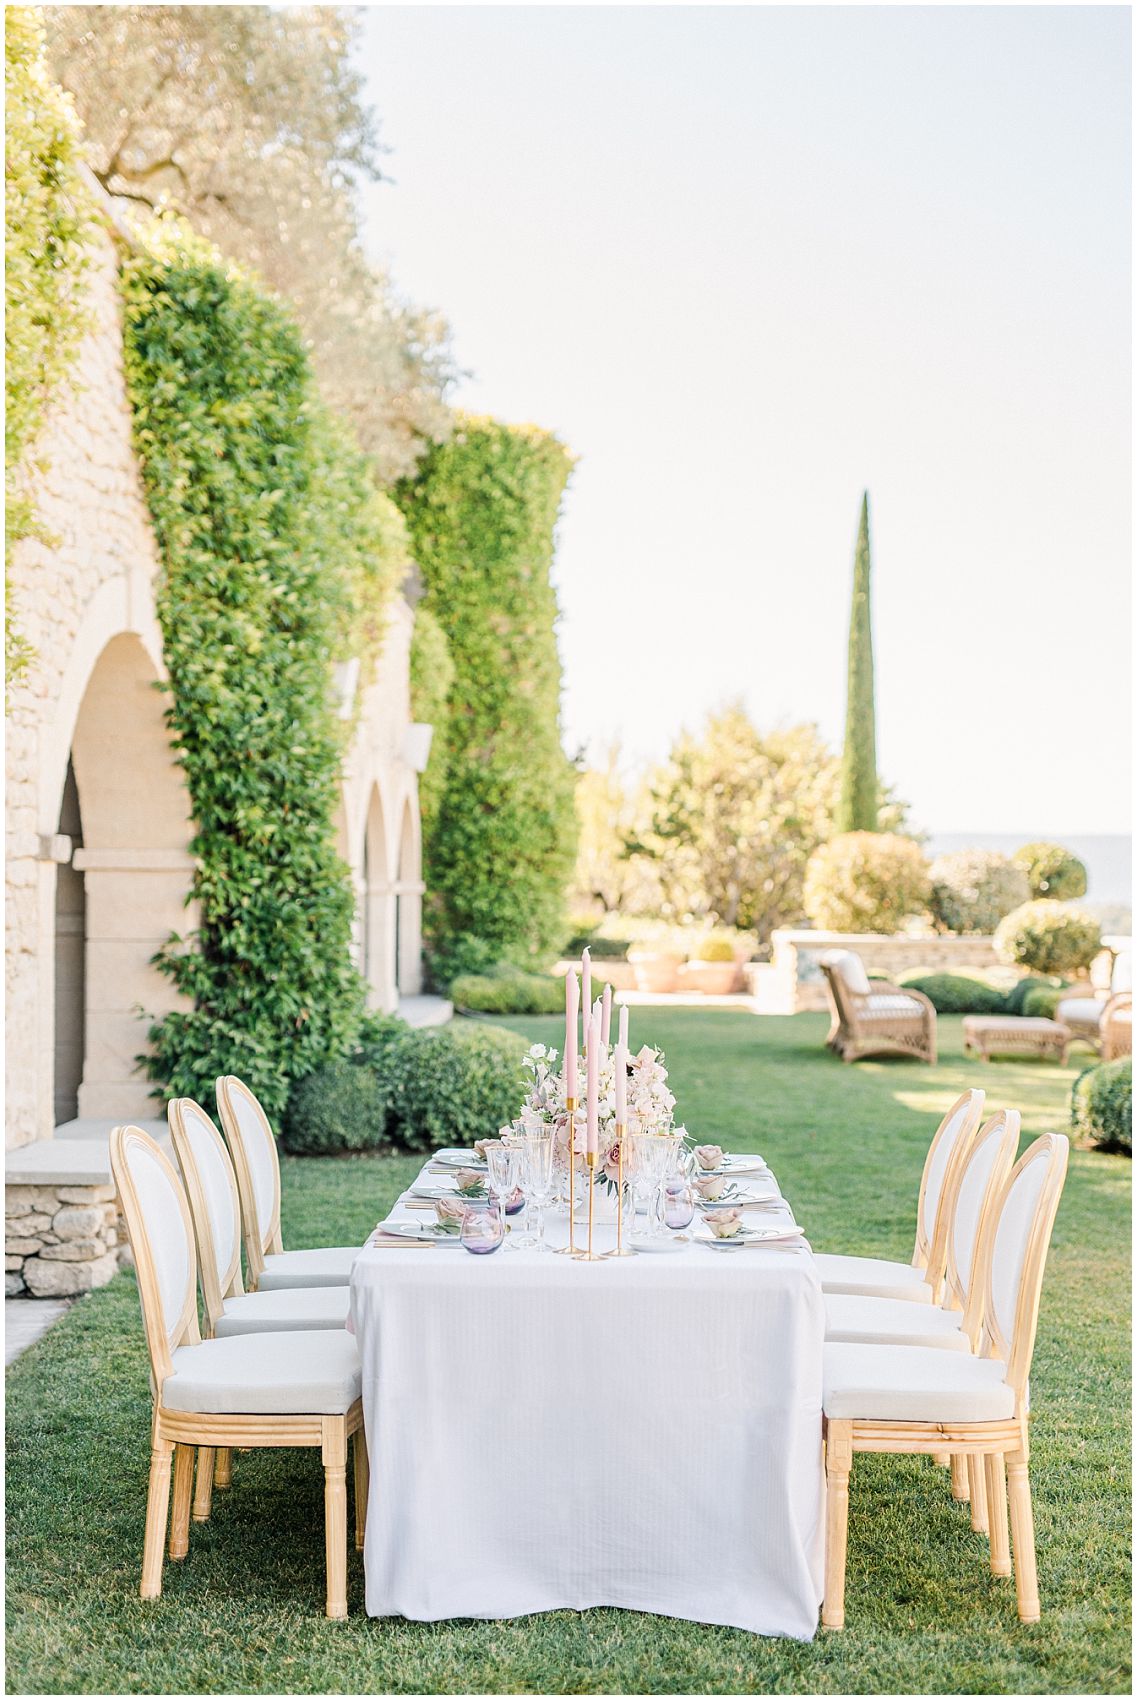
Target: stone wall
[
  {"x": 793, "y": 981},
  {"x": 60, "y": 1240}
]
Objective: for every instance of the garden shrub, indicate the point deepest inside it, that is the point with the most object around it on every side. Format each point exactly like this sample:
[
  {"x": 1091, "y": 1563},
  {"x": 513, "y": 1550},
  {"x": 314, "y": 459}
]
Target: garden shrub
[
  {"x": 715, "y": 949},
  {"x": 1043, "y": 1001},
  {"x": 1018, "y": 994},
  {"x": 279, "y": 553},
  {"x": 865, "y": 882},
  {"x": 48, "y": 217},
  {"x": 500, "y": 848},
  {"x": 1101, "y": 1104},
  {"x": 598, "y": 947},
  {"x": 451, "y": 1085},
  {"x": 336, "y": 1109},
  {"x": 1050, "y": 937},
  {"x": 509, "y": 993},
  {"x": 958, "y": 994},
  {"x": 1051, "y": 871},
  {"x": 463, "y": 953},
  {"x": 379, "y": 1037},
  {"x": 973, "y": 889}
]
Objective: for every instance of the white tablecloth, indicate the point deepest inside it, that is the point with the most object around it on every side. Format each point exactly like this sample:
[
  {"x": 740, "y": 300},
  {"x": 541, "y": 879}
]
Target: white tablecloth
[{"x": 643, "y": 1432}]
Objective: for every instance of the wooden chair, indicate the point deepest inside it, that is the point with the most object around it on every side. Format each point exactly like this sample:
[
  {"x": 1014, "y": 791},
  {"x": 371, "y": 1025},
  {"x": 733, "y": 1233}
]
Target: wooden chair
[
  {"x": 911, "y": 1399},
  {"x": 273, "y": 1389},
  {"x": 873, "y": 1018},
  {"x": 252, "y": 1147},
  {"x": 921, "y": 1280}
]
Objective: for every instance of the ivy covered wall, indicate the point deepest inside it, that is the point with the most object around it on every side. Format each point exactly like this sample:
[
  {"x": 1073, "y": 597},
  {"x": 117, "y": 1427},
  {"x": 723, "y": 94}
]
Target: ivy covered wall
[
  {"x": 279, "y": 552},
  {"x": 500, "y": 842}
]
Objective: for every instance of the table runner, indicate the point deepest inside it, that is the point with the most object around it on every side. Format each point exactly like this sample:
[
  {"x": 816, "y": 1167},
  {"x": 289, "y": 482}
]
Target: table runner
[{"x": 642, "y": 1433}]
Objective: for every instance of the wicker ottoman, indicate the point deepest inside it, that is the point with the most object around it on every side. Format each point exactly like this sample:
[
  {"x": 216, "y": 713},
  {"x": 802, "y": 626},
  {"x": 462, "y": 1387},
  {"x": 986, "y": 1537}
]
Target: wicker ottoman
[{"x": 1032, "y": 1035}]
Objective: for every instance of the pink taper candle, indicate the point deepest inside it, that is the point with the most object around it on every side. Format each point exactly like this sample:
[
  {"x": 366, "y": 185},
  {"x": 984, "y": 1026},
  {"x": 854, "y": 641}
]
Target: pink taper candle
[
  {"x": 594, "y": 1084},
  {"x": 621, "y": 1083},
  {"x": 606, "y": 1014},
  {"x": 572, "y": 1003},
  {"x": 623, "y": 1040},
  {"x": 586, "y": 1000}
]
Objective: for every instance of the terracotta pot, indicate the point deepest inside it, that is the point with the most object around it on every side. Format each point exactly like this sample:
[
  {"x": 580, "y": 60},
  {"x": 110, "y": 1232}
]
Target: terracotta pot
[
  {"x": 716, "y": 979},
  {"x": 656, "y": 970}
]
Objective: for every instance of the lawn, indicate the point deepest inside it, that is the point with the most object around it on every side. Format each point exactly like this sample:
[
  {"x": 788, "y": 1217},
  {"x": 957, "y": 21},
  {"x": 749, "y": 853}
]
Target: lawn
[{"x": 243, "y": 1613}]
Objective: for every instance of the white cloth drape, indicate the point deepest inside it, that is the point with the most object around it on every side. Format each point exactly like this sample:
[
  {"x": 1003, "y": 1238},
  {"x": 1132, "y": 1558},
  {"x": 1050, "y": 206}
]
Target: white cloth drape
[{"x": 642, "y": 1433}]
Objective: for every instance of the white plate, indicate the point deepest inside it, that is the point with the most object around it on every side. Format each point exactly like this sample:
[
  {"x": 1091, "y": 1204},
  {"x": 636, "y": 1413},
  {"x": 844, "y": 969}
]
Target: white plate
[
  {"x": 732, "y": 1165},
  {"x": 640, "y": 1242},
  {"x": 736, "y": 1200},
  {"x": 755, "y": 1236},
  {"x": 445, "y": 1189},
  {"x": 418, "y": 1231},
  {"x": 460, "y": 1160}
]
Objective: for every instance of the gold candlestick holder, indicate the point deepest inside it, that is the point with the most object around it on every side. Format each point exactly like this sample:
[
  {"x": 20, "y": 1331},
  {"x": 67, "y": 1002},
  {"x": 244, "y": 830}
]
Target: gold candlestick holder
[
  {"x": 588, "y": 1255},
  {"x": 570, "y": 1249},
  {"x": 621, "y": 1250}
]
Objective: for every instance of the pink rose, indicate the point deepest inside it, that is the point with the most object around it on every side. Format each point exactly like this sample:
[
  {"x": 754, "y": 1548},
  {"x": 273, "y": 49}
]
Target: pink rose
[
  {"x": 725, "y": 1224},
  {"x": 710, "y": 1186},
  {"x": 451, "y": 1212},
  {"x": 708, "y": 1156}
]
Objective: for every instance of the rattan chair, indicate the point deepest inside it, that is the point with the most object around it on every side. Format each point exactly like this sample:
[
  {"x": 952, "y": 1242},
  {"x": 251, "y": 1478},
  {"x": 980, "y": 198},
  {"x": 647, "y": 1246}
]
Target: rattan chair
[
  {"x": 1102, "y": 1019},
  {"x": 912, "y": 1399},
  {"x": 873, "y": 1018},
  {"x": 273, "y": 1389}
]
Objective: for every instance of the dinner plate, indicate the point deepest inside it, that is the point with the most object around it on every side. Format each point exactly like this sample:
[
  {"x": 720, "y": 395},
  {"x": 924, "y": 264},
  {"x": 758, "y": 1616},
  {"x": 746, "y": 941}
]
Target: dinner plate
[
  {"x": 735, "y": 1200},
  {"x": 418, "y": 1231},
  {"x": 460, "y": 1160},
  {"x": 740, "y": 1165},
  {"x": 755, "y": 1236},
  {"x": 445, "y": 1189},
  {"x": 640, "y": 1242}
]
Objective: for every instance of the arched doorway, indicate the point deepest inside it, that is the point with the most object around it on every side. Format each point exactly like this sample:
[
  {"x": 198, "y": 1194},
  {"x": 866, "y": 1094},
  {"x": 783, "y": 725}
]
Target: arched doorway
[
  {"x": 129, "y": 860},
  {"x": 408, "y": 952},
  {"x": 379, "y": 921}
]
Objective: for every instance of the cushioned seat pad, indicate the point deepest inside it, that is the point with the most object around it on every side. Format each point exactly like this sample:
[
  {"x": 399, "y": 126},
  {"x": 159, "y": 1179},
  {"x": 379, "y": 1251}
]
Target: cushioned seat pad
[
  {"x": 284, "y": 1308},
  {"x": 877, "y": 1276},
  {"x": 859, "y": 1319},
  {"x": 1076, "y": 1009},
  {"x": 325, "y": 1266},
  {"x": 914, "y": 1384},
  {"x": 282, "y": 1374}
]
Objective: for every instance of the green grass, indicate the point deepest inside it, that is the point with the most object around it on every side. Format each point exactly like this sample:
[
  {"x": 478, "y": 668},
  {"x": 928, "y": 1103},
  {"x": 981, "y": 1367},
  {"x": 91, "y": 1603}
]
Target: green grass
[{"x": 243, "y": 1613}]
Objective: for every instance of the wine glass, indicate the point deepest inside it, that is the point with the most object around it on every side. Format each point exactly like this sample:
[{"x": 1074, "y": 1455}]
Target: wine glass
[
  {"x": 538, "y": 1181},
  {"x": 678, "y": 1203},
  {"x": 502, "y": 1162}
]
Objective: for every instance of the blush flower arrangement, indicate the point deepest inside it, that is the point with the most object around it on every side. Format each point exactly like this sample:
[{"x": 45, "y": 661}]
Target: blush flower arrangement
[{"x": 650, "y": 1105}]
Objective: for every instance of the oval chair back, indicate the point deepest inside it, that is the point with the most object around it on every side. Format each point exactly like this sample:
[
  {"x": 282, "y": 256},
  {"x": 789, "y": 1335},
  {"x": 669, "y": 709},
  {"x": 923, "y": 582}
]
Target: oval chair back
[
  {"x": 252, "y": 1147},
  {"x": 980, "y": 1187},
  {"x": 158, "y": 1226},
  {"x": 1013, "y": 1256},
  {"x": 211, "y": 1187},
  {"x": 939, "y": 1184}
]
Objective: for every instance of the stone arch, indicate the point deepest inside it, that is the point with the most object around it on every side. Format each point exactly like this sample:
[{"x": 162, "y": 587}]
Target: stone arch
[
  {"x": 127, "y": 801},
  {"x": 379, "y": 918},
  {"x": 409, "y": 889}
]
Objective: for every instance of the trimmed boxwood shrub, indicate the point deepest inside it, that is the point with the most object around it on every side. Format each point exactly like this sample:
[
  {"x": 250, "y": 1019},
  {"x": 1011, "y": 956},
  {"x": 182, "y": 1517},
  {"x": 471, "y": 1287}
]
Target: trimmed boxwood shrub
[
  {"x": 452, "y": 1085},
  {"x": 598, "y": 947},
  {"x": 1018, "y": 994},
  {"x": 973, "y": 889},
  {"x": 1043, "y": 1001},
  {"x": 339, "y": 1108},
  {"x": 1051, "y": 870},
  {"x": 958, "y": 994},
  {"x": 1101, "y": 1104},
  {"x": 506, "y": 993},
  {"x": 865, "y": 882},
  {"x": 379, "y": 1038},
  {"x": 1050, "y": 937}
]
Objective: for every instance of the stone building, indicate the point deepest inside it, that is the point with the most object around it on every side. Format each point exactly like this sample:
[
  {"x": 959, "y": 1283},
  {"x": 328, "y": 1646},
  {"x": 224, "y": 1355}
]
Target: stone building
[{"x": 98, "y": 819}]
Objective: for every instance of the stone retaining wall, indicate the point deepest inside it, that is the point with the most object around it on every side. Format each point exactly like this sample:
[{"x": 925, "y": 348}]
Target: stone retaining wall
[
  {"x": 793, "y": 980},
  {"x": 61, "y": 1240}
]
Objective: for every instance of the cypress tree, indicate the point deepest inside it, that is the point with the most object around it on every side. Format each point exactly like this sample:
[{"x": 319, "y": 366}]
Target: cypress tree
[{"x": 857, "y": 810}]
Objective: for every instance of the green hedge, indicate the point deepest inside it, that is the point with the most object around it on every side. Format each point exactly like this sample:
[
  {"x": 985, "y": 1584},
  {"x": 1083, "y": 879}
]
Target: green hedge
[
  {"x": 1043, "y": 1001},
  {"x": 337, "y": 1109},
  {"x": 958, "y": 994},
  {"x": 499, "y": 851},
  {"x": 509, "y": 993},
  {"x": 1050, "y": 937},
  {"x": 432, "y": 679},
  {"x": 48, "y": 218},
  {"x": 1101, "y": 1104},
  {"x": 278, "y": 553}
]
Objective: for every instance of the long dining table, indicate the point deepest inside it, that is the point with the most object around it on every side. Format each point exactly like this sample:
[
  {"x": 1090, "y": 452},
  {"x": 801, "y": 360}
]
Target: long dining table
[{"x": 641, "y": 1432}]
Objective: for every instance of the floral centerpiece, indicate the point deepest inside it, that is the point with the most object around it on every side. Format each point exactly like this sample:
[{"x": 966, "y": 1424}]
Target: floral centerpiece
[{"x": 650, "y": 1105}]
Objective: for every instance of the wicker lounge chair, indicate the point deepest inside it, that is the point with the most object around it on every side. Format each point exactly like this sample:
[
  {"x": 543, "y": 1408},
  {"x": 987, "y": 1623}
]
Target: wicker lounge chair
[
  {"x": 873, "y": 1018},
  {"x": 1103, "y": 1020}
]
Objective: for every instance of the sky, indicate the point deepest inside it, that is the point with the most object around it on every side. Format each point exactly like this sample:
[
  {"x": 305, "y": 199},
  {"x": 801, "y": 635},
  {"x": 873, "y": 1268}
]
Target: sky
[{"x": 747, "y": 262}]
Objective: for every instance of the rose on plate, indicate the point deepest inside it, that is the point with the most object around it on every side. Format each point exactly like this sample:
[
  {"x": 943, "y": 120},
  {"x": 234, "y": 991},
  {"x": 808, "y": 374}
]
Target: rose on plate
[
  {"x": 708, "y": 1156},
  {"x": 451, "y": 1213},
  {"x": 710, "y": 1186},
  {"x": 725, "y": 1224},
  {"x": 470, "y": 1184}
]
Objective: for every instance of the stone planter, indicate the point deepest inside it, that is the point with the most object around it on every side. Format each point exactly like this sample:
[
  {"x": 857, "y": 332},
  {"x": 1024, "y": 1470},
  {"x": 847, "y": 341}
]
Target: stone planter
[
  {"x": 656, "y": 970},
  {"x": 715, "y": 979}
]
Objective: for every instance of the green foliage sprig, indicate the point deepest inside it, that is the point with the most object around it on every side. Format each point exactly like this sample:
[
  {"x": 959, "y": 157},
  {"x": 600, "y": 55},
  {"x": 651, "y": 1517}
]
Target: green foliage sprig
[
  {"x": 501, "y": 843},
  {"x": 278, "y": 553},
  {"x": 47, "y": 226}
]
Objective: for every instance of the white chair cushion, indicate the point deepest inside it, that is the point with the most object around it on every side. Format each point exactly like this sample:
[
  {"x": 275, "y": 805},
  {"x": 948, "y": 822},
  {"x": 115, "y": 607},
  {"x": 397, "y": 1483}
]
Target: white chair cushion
[
  {"x": 914, "y": 1384},
  {"x": 284, "y": 1308},
  {"x": 1076, "y": 1009},
  {"x": 324, "y": 1266},
  {"x": 1121, "y": 980},
  {"x": 850, "y": 967},
  {"x": 875, "y": 1276},
  {"x": 881, "y": 1005},
  {"x": 858, "y": 1320},
  {"x": 282, "y": 1374}
]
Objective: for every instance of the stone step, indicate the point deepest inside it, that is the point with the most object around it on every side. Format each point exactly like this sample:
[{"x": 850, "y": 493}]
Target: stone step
[{"x": 426, "y": 1011}]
